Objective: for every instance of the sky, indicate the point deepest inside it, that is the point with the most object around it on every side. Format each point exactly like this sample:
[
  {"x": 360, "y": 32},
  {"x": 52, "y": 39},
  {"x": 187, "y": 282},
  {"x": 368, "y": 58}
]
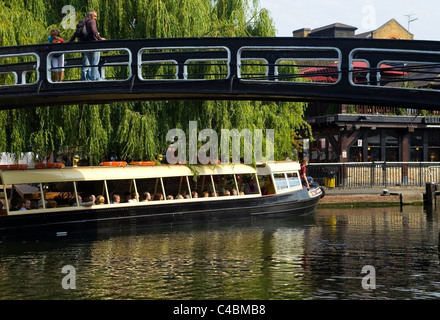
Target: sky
[{"x": 366, "y": 15}]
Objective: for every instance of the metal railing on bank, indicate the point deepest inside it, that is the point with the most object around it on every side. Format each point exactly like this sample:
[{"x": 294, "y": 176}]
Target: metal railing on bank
[{"x": 374, "y": 174}]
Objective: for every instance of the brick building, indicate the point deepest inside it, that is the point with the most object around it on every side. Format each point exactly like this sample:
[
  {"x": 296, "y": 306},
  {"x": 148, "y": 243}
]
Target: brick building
[{"x": 390, "y": 30}]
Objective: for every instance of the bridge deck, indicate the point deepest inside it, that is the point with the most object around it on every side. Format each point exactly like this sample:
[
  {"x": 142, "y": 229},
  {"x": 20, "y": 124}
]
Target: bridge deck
[{"x": 353, "y": 71}]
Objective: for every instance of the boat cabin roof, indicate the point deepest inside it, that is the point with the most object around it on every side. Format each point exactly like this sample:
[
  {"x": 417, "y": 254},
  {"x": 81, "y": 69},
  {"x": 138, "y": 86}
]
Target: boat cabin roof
[
  {"x": 118, "y": 173},
  {"x": 275, "y": 167},
  {"x": 96, "y": 173}
]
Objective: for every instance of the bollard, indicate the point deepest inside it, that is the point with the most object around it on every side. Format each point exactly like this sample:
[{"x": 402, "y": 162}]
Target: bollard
[{"x": 430, "y": 194}]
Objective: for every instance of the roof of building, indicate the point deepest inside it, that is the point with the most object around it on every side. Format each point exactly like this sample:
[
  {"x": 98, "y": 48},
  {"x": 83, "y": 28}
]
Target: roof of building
[
  {"x": 369, "y": 34},
  {"x": 336, "y": 25}
]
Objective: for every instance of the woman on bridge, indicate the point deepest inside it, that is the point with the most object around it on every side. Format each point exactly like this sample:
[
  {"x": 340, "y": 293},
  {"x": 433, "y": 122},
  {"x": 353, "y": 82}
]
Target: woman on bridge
[{"x": 57, "y": 58}]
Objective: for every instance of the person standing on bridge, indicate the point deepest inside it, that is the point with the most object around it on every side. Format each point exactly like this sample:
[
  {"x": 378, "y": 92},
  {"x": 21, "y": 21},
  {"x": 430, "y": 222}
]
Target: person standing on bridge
[
  {"x": 58, "y": 58},
  {"x": 86, "y": 31}
]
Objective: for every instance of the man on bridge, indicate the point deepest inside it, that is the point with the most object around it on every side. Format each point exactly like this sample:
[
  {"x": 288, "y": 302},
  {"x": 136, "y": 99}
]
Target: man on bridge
[{"x": 86, "y": 30}]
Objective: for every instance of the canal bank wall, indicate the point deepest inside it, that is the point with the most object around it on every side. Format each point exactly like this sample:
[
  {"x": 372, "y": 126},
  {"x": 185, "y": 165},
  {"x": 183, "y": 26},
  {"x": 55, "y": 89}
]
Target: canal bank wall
[{"x": 373, "y": 197}]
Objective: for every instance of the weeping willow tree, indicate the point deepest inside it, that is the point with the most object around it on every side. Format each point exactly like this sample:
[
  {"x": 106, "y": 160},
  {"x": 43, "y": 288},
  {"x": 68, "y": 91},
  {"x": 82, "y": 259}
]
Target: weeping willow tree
[{"x": 137, "y": 130}]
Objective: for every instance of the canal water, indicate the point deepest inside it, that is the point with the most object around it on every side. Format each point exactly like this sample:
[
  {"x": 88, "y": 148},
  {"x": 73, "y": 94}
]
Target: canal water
[{"x": 336, "y": 254}]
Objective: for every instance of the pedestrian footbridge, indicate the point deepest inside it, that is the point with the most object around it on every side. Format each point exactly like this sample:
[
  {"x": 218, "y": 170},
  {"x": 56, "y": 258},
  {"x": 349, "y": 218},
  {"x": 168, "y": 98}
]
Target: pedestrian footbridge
[{"x": 353, "y": 71}]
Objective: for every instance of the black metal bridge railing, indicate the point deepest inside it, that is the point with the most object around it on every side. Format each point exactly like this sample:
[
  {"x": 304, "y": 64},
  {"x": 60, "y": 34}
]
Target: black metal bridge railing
[{"x": 356, "y": 71}]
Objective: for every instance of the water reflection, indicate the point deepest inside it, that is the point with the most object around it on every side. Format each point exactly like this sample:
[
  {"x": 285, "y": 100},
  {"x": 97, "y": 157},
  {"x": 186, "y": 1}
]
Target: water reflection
[{"x": 320, "y": 257}]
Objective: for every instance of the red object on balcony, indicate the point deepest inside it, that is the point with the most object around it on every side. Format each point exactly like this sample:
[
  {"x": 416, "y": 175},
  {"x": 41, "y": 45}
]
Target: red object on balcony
[{"x": 330, "y": 73}]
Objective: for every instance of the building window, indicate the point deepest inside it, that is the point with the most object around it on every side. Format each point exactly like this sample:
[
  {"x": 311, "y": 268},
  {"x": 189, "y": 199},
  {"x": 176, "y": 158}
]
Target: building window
[
  {"x": 319, "y": 150},
  {"x": 392, "y": 148},
  {"x": 356, "y": 154},
  {"x": 416, "y": 147},
  {"x": 433, "y": 146},
  {"x": 374, "y": 148},
  {"x": 434, "y": 154}
]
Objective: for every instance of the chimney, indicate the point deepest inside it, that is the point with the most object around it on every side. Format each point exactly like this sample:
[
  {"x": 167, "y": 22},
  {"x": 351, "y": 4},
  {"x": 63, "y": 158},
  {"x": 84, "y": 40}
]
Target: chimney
[{"x": 301, "y": 33}]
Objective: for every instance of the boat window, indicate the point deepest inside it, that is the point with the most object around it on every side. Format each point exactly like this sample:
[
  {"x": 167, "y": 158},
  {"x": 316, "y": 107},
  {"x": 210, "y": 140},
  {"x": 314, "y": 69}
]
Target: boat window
[
  {"x": 124, "y": 191},
  {"x": 59, "y": 194},
  {"x": 176, "y": 188},
  {"x": 266, "y": 184},
  {"x": 25, "y": 196},
  {"x": 280, "y": 181},
  {"x": 215, "y": 185},
  {"x": 32, "y": 196},
  {"x": 148, "y": 188},
  {"x": 2, "y": 190},
  {"x": 197, "y": 184},
  {"x": 225, "y": 185},
  {"x": 201, "y": 186},
  {"x": 90, "y": 191},
  {"x": 3, "y": 197},
  {"x": 248, "y": 184},
  {"x": 293, "y": 179}
]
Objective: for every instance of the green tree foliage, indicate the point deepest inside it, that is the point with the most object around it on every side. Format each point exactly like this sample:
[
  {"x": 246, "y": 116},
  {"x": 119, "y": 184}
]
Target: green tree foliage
[{"x": 137, "y": 130}]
